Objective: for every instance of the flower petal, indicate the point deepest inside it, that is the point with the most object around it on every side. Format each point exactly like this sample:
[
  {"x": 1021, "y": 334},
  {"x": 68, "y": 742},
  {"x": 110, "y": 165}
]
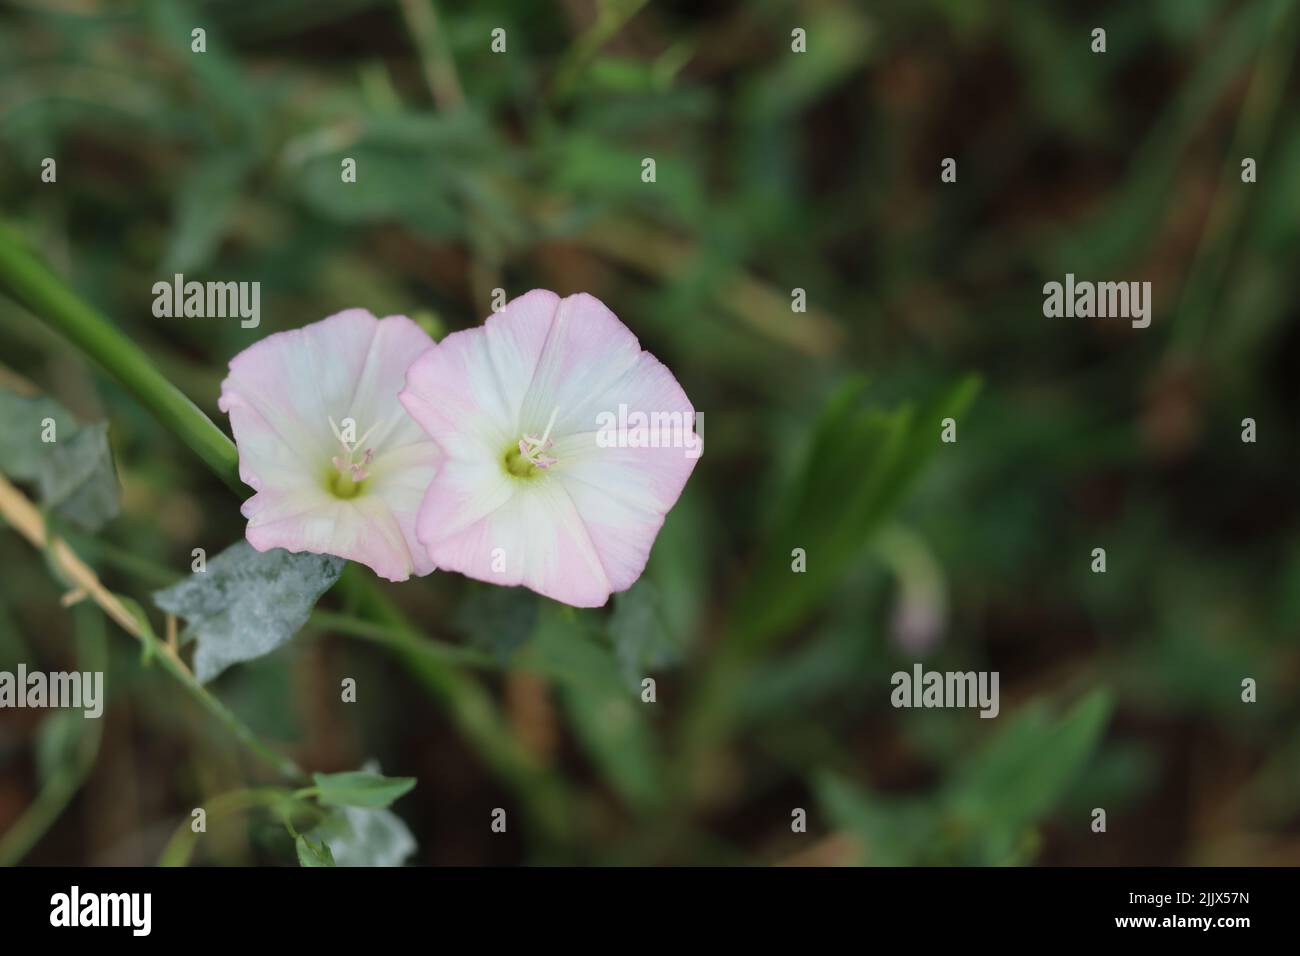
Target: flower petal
[
  {"x": 281, "y": 394},
  {"x": 534, "y": 537},
  {"x": 623, "y": 491},
  {"x": 467, "y": 391},
  {"x": 365, "y": 529},
  {"x": 585, "y": 528}
]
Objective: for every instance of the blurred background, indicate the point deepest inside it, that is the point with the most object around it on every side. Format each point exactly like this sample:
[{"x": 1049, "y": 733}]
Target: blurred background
[{"x": 775, "y": 171}]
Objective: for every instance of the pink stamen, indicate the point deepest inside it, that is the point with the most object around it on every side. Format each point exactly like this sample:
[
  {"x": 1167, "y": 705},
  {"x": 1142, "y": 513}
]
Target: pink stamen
[
  {"x": 358, "y": 470},
  {"x": 531, "y": 447}
]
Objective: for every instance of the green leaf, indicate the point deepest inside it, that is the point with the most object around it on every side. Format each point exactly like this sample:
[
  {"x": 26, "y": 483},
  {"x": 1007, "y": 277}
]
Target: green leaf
[
  {"x": 655, "y": 620},
  {"x": 498, "y": 619},
  {"x": 360, "y": 788},
  {"x": 839, "y": 41},
  {"x": 78, "y": 479},
  {"x": 643, "y": 638},
  {"x": 206, "y": 204},
  {"x": 74, "y": 473},
  {"x": 364, "y": 837},
  {"x": 613, "y": 730},
  {"x": 986, "y": 813},
  {"x": 247, "y": 603},
  {"x": 605, "y": 712},
  {"x": 417, "y": 169},
  {"x": 313, "y": 852},
  {"x": 620, "y": 74},
  {"x": 1026, "y": 770},
  {"x": 891, "y": 832},
  {"x": 859, "y": 465},
  {"x": 21, "y": 448}
]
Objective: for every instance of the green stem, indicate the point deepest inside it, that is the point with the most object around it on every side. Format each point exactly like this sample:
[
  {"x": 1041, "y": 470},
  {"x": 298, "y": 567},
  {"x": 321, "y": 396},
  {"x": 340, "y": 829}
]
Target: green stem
[
  {"x": 180, "y": 847},
  {"x": 610, "y": 19},
  {"x": 402, "y": 641},
  {"x": 285, "y": 766},
  {"x": 102, "y": 553},
  {"x": 545, "y": 799},
  {"x": 64, "y": 783},
  {"x": 1256, "y": 122},
  {"x": 32, "y": 284}
]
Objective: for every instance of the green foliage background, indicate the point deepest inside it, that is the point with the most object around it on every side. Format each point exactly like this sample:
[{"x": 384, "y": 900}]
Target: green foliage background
[{"x": 775, "y": 171}]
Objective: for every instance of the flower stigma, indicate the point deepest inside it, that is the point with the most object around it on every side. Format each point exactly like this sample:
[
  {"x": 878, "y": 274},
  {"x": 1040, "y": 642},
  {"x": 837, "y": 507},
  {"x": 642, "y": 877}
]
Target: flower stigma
[
  {"x": 529, "y": 458},
  {"x": 350, "y": 472}
]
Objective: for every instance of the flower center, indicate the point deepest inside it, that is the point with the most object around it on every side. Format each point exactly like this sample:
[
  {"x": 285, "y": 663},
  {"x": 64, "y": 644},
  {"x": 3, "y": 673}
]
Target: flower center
[
  {"x": 529, "y": 458},
  {"x": 352, "y": 464}
]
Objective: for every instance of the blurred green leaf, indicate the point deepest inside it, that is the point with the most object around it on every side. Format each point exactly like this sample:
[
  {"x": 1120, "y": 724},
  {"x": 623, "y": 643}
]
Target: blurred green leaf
[
  {"x": 613, "y": 731},
  {"x": 74, "y": 473},
  {"x": 1025, "y": 771},
  {"x": 892, "y": 833},
  {"x": 640, "y": 630},
  {"x": 21, "y": 425},
  {"x": 655, "y": 621},
  {"x": 498, "y": 619},
  {"x": 618, "y": 74},
  {"x": 206, "y": 206},
  {"x": 605, "y": 713},
  {"x": 838, "y": 41},
  {"x": 78, "y": 479},
  {"x": 985, "y": 813},
  {"x": 858, "y": 467},
  {"x": 425, "y": 171}
]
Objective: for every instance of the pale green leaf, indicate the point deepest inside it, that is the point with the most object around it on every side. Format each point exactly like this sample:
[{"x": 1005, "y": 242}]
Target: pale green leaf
[
  {"x": 247, "y": 603},
  {"x": 78, "y": 480},
  {"x": 74, "y": 472},
  {"x": 313, "y": 852},
  {"x": 360, "y": 788}
]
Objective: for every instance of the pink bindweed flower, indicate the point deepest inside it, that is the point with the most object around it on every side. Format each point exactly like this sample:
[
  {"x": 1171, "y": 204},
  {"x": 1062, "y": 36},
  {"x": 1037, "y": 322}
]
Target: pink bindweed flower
[
  {"x": 564, "y": 445},
  {"x": 338, "y": 466}
]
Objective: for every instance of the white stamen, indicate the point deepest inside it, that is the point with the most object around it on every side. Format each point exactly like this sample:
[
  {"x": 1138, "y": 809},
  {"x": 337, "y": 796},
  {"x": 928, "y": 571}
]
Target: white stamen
[
  {"x": 549, "y": 425},
  {"x": 362, "y": 440},
  {"x": 357, "y": 471}
]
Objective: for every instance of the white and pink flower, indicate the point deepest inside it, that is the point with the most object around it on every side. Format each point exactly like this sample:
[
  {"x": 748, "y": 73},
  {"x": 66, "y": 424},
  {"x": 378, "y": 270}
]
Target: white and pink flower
[
  {"x": 504, "y": 469},
  {"x": 525, "y": 494},
  {"x": 337, "y": 465}
]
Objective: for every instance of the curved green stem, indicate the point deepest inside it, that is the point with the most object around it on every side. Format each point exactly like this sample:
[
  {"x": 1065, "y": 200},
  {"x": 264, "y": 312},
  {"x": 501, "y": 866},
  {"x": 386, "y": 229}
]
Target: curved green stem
[
  {"x": 402, "y": 641},
  {"x": 180, "y": 847}
]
